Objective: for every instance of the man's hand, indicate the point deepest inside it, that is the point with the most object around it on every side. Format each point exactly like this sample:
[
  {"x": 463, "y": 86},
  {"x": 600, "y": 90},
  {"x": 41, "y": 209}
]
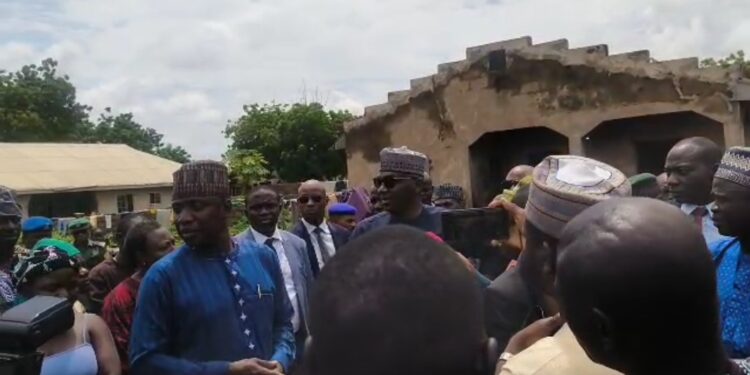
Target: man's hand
[
  {"x": 534, "y": 332},
  {"x": 255, "y": 366}
]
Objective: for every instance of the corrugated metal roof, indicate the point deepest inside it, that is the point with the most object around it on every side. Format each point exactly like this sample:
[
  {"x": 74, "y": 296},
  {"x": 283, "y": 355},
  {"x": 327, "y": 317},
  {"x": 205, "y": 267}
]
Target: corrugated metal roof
[{"x": 32, "y": 168}]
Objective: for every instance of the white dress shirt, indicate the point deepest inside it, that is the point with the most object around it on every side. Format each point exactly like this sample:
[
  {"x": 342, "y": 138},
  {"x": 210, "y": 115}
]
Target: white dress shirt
[
  {"x": 327, "y": 240},
  {"x": 710, "y": 232},
  {"x": 286, "y": 271}
]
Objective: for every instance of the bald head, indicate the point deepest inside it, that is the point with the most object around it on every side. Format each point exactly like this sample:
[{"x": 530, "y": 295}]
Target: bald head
[
  {"x": 312, "y": 201},
  {"x": 690, "y": 167},
  {"x": 633, "y": 273},
  {"x": 519, "y": 172}
]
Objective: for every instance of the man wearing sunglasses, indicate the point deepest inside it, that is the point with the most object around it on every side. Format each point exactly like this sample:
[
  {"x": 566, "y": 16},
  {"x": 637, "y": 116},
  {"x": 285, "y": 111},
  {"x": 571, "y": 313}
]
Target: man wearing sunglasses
[
  {"x": 399, "y": 186},
  {"x": 322, "y": 238}
]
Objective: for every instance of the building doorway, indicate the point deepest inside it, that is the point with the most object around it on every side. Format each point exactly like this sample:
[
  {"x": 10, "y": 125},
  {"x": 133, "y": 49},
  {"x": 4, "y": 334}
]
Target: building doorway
[
  {"x": 494, "y": 154},
  {"x": 640, "y": 144},
  {"x": 62, "y": 204}
]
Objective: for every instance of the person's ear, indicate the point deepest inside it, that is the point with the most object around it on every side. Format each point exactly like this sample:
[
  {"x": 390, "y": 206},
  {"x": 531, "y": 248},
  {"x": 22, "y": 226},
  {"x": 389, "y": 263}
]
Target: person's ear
[
  {"x": 605, "y": 332},
  {"x": 488, "y": 357}
]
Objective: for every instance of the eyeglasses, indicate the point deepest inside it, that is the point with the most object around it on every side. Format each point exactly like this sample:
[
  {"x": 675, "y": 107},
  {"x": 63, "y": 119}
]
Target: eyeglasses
[
  {"x": 314, "y": 198},
  {"x": 389, "y": 181}
]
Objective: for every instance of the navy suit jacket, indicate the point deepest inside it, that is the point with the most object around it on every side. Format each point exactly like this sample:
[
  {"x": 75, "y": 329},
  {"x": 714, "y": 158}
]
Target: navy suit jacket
[
  {"x": 340, "y": 238},
  {"x": 295, "y": 251}
]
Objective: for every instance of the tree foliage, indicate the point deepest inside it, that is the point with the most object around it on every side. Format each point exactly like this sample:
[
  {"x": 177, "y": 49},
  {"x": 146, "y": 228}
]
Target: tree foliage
[
  {"x": 39, "y": 105},
  {"x": 734, "y": 59},
  {"x": 124, "y": 129},
  {"x": 247, "y": 167},
  {"x": 296, "y": 140}
]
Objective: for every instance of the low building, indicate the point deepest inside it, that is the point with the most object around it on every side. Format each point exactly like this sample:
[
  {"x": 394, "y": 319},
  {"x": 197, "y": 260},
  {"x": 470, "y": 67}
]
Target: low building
[
  {"x": 514, "y": 102},
  {"x": 60, "y": 179}
]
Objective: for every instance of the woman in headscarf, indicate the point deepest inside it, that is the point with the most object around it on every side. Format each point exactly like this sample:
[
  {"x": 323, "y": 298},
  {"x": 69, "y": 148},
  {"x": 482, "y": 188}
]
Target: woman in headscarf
[
  {"x": 147, "y": 242},
  {"x": 86, "y": 348}
]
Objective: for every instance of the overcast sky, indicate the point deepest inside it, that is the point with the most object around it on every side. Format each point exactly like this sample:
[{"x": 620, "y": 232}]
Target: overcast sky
[{"x": 185, "y": 67}]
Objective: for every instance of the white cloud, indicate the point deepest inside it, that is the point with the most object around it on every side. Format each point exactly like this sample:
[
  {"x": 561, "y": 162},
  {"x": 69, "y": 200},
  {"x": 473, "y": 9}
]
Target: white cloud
[{"x": 185, "y": 67}]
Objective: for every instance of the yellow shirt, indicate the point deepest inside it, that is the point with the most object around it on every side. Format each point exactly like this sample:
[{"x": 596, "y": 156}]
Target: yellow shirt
[{"x": 557, "y": 355}]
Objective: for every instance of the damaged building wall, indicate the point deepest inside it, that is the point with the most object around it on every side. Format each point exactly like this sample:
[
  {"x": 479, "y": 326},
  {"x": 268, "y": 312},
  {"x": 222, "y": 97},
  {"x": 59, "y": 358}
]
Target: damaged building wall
[{"x": 445, "y": 114}]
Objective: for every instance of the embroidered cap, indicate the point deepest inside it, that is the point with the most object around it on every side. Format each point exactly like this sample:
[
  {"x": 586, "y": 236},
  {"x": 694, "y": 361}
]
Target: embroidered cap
[
  {"x": 563, "y": 186},
  {"x": 735, "y": 166},
  {"x": 9, "y": 203},
  {"x": 449, "y": 191},
  {"x": 201, "y": 179},
  {"x": 404, "y": 161}
]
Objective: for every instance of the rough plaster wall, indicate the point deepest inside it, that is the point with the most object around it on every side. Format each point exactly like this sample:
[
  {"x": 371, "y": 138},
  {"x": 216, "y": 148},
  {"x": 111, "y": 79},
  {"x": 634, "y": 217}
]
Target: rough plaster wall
[{"x": 572, "y": 100}]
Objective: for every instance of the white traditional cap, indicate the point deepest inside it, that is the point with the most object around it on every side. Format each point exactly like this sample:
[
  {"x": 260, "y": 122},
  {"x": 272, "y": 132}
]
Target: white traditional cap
[
  {"x": 404, "y": 161},
  {"x": 563, "y": 186},
  {"x": 735, "y": 166}
]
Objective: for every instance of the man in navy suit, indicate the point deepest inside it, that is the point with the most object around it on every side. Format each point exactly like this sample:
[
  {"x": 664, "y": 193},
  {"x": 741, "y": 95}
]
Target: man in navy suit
[
  {"x": 263, "y": 207},
  {"x": 323, "y": 239}
]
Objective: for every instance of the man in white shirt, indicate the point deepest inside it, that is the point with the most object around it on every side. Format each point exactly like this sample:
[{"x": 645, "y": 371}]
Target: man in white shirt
[
  {"x": 321, "y": 237},
  {"x": 690, "y": 167},
  {"x": 263, "y": 207}
]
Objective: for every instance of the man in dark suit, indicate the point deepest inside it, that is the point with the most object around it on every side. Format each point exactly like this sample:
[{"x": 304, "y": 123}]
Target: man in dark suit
[
  {"x": 323, "y": 239},
  {"x": 263, "y": 207}
]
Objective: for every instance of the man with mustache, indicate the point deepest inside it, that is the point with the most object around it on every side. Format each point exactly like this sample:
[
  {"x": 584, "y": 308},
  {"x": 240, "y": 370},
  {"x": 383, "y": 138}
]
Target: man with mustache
[
  {"x": 216, "y": 305},
  {"x": 10, "y": 231},
  {"x": 399, "y": 187}
]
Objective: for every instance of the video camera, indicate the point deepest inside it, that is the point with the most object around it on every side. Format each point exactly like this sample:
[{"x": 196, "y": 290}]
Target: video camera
[{"x": 26, "y": 327}]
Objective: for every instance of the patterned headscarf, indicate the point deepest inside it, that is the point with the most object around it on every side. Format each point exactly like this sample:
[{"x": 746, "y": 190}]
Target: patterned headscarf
[{"x": 42, "y": 262}]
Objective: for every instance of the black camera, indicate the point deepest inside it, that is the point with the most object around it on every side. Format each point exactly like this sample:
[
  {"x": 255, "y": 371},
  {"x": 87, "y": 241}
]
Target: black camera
[{"x": 26, "y": 327}]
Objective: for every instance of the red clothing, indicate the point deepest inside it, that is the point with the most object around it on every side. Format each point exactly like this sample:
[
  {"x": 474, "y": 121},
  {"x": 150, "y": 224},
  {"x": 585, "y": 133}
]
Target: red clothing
[
  {"x": 119, "y": 306},
  {"x": 101, "y": 280}
]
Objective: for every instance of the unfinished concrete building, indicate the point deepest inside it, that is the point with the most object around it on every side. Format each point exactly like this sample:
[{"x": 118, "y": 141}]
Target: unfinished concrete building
[{"x": 515, "y": 102}]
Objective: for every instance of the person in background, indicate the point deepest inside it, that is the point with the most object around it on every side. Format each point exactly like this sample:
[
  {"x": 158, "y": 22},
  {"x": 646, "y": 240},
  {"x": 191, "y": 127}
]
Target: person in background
[
  {"x": 449, "y": 196},
  {"x": 690, "y": 167},
  {"x": 375, "y": 203},
  {"x": 426, "y": 189},
  {"x": 620, "y": 261},
  {"x": 10, "y": 231},
  {"x": 390, "y": 291},
  {"x": 34, "y": 229},
  {"x": 731, "y": 215},
  {"x": 111, "y": 272},
  {"x": 322, "y": 239},
  {"x": 516, "y": 174},
  {"x": 399, "y": 185},
  {"x": 148, "y": 242},
  {"x": 215, "y": 306},
  {"x": 87, "y": 347},
  {"x": 263, "y": 206},
  {"x": 92, "y": 253},
  {"x": 664, "y": 194},
  {"x": 645, "y": 185},
  {"x": 343, "y": 215},
  {"x": 562, "y": 187}
]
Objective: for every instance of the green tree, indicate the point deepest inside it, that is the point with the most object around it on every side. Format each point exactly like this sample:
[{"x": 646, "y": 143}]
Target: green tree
[
  {"x": 247, "y": 167},
  {"x": 174, "y": 153},
  {"x": 734, "y": 59},
  {"x": 296, "y": 140},
  {"x": 39, "y": 105},
  {"x": 122, "y": 128}
]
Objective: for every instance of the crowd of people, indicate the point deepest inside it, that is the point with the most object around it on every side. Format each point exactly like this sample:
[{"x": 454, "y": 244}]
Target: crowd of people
[{"x": 610, "y": 275}]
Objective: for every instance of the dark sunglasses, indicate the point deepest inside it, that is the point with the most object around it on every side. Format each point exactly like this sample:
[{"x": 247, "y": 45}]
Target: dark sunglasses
[
  {"x": 314, "y": 198},
  {"x": 389, "y": 182}
]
